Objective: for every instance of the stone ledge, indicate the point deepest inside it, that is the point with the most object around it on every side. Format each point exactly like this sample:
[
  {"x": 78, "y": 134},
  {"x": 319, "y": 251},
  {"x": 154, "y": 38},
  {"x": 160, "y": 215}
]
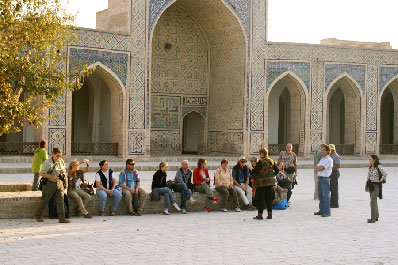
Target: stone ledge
[{"x": 23, "y": 204}]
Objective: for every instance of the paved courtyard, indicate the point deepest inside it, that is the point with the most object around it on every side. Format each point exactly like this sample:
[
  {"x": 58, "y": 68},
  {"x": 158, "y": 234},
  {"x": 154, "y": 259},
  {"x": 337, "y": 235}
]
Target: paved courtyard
[{"x": 294, "y": 236}]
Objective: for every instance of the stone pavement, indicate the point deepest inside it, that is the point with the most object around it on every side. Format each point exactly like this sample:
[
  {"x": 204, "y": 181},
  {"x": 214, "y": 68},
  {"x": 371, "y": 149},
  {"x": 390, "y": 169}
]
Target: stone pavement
[{"x": 294, "y": 236}]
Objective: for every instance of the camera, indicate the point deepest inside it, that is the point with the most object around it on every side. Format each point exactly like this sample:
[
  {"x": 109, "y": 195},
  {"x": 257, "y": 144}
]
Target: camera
[
  {"x": 294, "y": 183},
  {"x": 61, "y": 177}
]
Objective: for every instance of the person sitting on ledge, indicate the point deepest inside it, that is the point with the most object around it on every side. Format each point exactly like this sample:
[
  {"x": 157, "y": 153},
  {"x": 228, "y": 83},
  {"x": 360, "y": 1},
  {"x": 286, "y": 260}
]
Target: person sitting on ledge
[
  {"x": 129, "y": 181},
  {"x": 184, "y": 185},
  {"x": 159, "y": 182},
  {"x": 75, "y": 179},
  {"x": 106, "y": 184},
  {"x": 201, "y": 180},
  {"x": 225, "y": 186},
  {"x": 241, "y": 175},
  {"x": 283, "y": 180}
]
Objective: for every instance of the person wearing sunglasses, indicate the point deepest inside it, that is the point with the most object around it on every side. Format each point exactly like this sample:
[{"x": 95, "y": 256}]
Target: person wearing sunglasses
[{"x": 129, "y": 181}]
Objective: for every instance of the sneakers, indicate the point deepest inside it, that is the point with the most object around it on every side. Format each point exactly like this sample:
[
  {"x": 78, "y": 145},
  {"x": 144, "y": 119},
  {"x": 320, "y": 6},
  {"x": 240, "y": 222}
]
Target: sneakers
[
  {"x": 325, "y": 215},
  {"x": 214, "y": 200},
  {"x": 102, "y": 213},
  {"x": 238, "y": 210},
  {"x": 223, "y": 210},
  {"x": 192, "y": 200},
  {"x": 184, "y": 211},
  {"x": 137, "y": 213},
  {"x": 113, "y": 213},
  {"x": 38, "y": 219},
  {"x": 317, "y": 213},
  {"x": 175, "y": 206},
  {"x": 87, "y": 216},
  {"x": 64, "y": 221},
  {"x": 166, "y": 212},
  {"x": 207, "y": 209}
]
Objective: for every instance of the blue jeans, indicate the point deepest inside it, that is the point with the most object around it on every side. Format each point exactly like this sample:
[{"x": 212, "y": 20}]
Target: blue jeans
[
  {"x": 323, "y": 194},
  {"x": 117, "y": 195},
  {"x": 185, "y": 194},
  {"x": 167, "y": 195}
]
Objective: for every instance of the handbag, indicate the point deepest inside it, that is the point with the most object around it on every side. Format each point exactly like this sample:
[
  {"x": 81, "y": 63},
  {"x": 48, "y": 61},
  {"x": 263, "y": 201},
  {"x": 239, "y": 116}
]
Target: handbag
[
  {"x": 155, "y": 194},
  {"x": 170, "y": 184},
  {"x": 87, "y": 187},
  {"x": 282, "y": 205},
  {"x": 43, "y": 181}
]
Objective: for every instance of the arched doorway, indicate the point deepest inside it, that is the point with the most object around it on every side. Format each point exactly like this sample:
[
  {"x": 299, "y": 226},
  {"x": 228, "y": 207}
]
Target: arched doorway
[
  {"x": 343, "y": 117},
  {"x": 97, "y": 115},
  {"x": 389, "y": 119},
  {"x": 198, "y": 64},
  {"x": 193, "y": 133},
  {"x": 286, "y": 115},
  {"x": 23, "y": 142}
]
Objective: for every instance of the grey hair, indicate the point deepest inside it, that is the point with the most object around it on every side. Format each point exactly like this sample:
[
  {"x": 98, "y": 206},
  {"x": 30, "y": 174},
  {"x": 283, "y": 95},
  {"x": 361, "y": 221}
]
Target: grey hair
[{"x": 182, "y": 162}]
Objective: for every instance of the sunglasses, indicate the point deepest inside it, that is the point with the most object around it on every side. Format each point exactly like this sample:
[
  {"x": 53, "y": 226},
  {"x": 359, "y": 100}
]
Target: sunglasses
[{"x": 132, "y": 164}]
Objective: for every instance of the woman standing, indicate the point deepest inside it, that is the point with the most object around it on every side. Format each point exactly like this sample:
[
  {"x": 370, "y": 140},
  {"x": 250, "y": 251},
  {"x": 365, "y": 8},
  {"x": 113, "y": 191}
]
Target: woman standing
[
  {"x": 225, "y": 186},
  {"x": 75, "y": 179},
  {"x": 201, "y": 180},
  {"x": 376, "y": 177},
  {"x": 159, "y": 182}
]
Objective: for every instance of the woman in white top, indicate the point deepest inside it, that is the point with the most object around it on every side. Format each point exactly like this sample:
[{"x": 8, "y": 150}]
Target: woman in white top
[
  {"x": 225, "y": 185},
  {"x": 376, "y": 177}
]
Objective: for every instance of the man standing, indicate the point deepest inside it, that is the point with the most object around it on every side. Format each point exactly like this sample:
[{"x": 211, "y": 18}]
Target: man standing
[
  {"x": 184, "y": 185},
  {"x": 241, "y": 176},
  {"x": 324, "y": 169},
  {"x": 40, "y": 155},
  {"x": 52, "y": 170},
  {"x": 334, "y": 178},
  {"x": 129, "y": 181},
  {"x": 317, "y": 158},
  {"x": 289, "y": 160}
]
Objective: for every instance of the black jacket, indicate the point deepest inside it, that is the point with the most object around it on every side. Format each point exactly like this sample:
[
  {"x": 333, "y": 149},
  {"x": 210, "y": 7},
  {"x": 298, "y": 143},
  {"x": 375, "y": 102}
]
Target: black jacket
[{"x": 159, "y": 179}]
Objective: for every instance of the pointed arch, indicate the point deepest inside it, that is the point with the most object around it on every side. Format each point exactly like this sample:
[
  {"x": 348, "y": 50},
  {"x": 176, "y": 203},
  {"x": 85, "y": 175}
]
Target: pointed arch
[
  {"x": 293, "y": 76},
  {"x": 350, "y": 78},
  {"x": 197, "y": 112},
  {"x": 395, "y": 78}
]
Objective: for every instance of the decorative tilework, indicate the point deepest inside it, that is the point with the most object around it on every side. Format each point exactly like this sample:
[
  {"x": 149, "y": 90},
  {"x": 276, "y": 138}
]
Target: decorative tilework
[
  {"x": 155, "y": 9},
  {"x": 167, "y": 142},
  {"x": 256, "y": 142},
  {"x": 195, "y": 101},
  {"x": 277, "y": 68},
  {"x": 186, "y": 110},
  {"x": 117, "y": 62},
  {"x": 316, "y": 140},
  {"x": 57, "y": 138},
  {"x": 59, "y": 111},
  {"x": 333, "y": 71},
  {"x": 386, "y": 75},
  {"x": 165, "y": 112},
  {"x": 242, "y": 10},
  {"x": 136, "y": 143},
  {"x": 101, "y": 40},
  {"x": 371, "y": 142}
]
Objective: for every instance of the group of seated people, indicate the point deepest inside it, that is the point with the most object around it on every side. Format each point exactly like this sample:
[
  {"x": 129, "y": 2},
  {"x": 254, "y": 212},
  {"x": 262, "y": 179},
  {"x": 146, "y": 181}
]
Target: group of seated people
[{"x": 235, "y": 182}]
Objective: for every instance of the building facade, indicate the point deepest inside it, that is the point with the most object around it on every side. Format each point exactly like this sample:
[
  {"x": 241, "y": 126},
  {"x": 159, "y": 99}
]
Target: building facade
[{"x": 200, "y": 77}]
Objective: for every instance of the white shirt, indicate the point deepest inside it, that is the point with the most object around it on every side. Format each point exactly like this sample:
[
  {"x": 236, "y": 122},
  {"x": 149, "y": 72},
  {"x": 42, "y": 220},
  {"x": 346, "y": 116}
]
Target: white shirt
[
  {"x": 326, "y": 162},
  {"x": 98, "y": 178}
]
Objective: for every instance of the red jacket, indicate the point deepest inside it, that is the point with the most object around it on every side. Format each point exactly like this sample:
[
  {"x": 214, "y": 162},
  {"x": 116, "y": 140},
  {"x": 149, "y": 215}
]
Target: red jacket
[{"x": 197, "y": 177}]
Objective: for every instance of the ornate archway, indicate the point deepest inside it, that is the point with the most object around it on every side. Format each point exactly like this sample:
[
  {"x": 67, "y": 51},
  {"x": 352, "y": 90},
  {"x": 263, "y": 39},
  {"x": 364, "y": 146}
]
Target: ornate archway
[
  {"x": 389, "y": 118},
  {"x": 198, "y": 63}
]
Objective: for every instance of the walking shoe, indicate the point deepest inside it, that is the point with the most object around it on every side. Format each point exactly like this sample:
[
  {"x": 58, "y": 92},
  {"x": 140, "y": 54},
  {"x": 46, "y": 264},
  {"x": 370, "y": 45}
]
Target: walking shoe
[
  {"x": 207, "y": 209},
  {"x": 318, "y": 213},
  {"x": 269, "y": 217},
  {"x": 102, "y": 213},
  {"x": 237, "y": 209},
  {"x": 246, "y": 207},
  {"x": 377, "y": 219},
  {"x": 38, "y": 219},
  {"x": 214, "y": 200},
  {"x": 133, "y": 214},
  {"x": 325, "y": 215},
  {"x": 258, "y": 217},
  {"x": 166, "y": 212},
  {"x": 64, "y": 221},
  {"x": 87, "y": 216},
  {"x": 251, "y": 207},
  {"x": 334, "y": 206},
  {"x": 192, "y": 200},
  {"x": 113, "y": 213},
  {"x": 175, "y": 206},
  {"x": 184, "y": 211},
  {"x": 223, "y": 210},
  {"x": 370, "y": 221},
  {"x": 137, "y": 213}
]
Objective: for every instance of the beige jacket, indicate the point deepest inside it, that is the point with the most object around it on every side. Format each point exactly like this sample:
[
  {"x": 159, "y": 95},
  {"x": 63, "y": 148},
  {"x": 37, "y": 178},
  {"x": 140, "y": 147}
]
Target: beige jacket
[{"x": 223, "y": 177}]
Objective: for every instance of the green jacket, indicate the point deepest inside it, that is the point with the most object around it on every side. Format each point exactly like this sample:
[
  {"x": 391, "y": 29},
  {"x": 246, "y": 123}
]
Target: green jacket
[{"x": 40, "y": 155}]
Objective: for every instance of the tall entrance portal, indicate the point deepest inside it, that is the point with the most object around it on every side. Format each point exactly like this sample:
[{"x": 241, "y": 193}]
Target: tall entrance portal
[{"x": 389, "y": 119}]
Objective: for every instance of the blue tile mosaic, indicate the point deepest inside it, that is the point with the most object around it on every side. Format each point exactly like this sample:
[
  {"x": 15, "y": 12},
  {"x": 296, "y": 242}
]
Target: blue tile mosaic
[
  {"x": 387, "y": 74},
  {"x": 276, "y": 68},
  {"x": 333, "y": 71},
  {"x": 117, "y": 62}
]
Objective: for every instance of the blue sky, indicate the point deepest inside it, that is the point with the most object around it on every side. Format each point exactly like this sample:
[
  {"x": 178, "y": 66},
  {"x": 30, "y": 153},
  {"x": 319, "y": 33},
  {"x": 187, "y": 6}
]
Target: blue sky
[{"x": 302, "y": 21}]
